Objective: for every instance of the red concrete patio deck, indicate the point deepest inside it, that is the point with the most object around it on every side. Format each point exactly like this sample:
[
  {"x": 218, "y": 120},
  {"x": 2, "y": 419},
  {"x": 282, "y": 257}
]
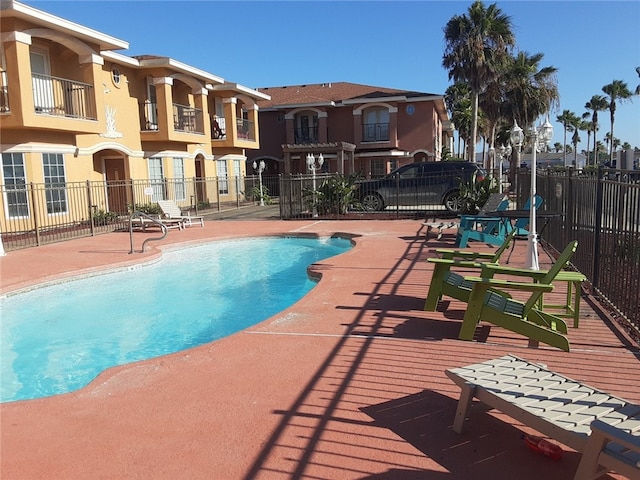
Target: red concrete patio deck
[{"x": 348, "y": 383}]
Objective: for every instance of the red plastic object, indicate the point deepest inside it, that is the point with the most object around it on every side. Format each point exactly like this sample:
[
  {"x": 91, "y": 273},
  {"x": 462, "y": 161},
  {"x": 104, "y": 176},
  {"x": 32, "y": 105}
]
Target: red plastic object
[{"x": 544, "y": 446}]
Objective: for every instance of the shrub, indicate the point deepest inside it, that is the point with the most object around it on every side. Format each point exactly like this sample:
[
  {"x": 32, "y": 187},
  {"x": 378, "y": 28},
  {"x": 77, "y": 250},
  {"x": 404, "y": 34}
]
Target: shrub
[
  {"x": 474, "y": 193},
  {"x": 335, "y": 195}
]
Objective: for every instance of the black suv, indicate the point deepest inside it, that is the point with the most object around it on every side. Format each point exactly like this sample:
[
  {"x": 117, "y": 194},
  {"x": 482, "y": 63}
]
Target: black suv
[{"x": 418, "y": 184}]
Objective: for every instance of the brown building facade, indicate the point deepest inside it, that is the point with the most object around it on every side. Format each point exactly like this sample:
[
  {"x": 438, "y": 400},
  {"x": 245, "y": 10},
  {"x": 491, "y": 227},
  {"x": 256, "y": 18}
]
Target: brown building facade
[{"x": 357, "y": 128}]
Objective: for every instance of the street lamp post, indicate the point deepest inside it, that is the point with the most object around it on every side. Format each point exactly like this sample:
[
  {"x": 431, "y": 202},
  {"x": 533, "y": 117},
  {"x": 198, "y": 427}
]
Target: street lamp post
[
  {"x": 260, "y": 169},
  {"x": 503, "y": 152},
  {"x": 313, "y": 167},
  {"x": 540, "y": 136}
]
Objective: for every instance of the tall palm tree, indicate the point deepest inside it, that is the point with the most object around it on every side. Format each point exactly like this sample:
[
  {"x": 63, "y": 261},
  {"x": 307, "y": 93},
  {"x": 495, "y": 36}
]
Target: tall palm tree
[
  {"x": 568, "y": 120},
  {"x": 490, "y": 104},
  {"x": 577, "y": 125},
  {"x": 617, "y": 91},
  {"x": 531, "y": 91},
  {"x": 598, "y": 103},
  {"x": 588, "y": 126},
  {"x": 457, "y": 99},
  {"x": 476, "y": 45}
]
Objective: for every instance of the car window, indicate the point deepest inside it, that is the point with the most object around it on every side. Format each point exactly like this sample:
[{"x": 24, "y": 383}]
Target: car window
[
  {"x": 433, "y": 169},
  {"x": 410, "y": 172}
]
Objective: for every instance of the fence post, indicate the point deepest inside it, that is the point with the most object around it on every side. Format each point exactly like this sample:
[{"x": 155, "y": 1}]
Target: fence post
[
  {"x": 91, "y": 209},
  {"x": 570, "y": 203},
  {"x": 598, "y": 227},
  {"x": 218, "y": 192},
  {"x": 238, "y": 191},
  {"x": 194, "y": 197},
  {"x": 36, "y": 226},
  {"x": 280, "y": 188}
]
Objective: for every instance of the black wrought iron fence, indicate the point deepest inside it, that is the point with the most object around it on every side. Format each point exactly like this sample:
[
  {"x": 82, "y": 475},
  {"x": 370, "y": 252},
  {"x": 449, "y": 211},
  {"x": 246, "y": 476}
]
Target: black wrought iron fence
[
  {"x": 601, "y": 209},
  {"x": 35, "y": 214}
]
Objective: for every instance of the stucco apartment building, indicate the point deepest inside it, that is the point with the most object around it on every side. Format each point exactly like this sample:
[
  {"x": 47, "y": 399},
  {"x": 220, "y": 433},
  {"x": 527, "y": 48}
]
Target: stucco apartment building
[
  {"x": 73, "y": 108},
  {"x": 356, "y": 128}
]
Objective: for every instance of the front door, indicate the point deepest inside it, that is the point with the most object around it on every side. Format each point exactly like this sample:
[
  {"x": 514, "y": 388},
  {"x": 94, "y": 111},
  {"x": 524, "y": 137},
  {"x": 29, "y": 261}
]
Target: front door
[
  {"x": 201, "y": 182},
  {"x": 116, "y": 185}
]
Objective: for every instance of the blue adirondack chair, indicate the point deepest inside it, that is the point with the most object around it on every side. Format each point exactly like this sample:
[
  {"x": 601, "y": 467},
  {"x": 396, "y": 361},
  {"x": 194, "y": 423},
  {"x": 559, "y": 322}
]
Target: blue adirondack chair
[{"x": 491, "y": 230}]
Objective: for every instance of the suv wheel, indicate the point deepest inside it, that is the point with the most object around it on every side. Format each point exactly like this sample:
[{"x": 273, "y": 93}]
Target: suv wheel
[
  {"x": 453, "y": 201},
  {"x": 372, "y": 202}
]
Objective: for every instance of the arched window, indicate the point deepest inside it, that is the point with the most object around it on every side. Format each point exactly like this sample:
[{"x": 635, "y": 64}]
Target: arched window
[
  {"x": 306, "y": 129},
  {"x": 375, "y": 125}
]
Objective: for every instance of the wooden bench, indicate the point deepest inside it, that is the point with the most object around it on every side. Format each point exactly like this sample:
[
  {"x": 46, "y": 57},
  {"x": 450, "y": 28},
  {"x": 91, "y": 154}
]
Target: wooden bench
[{"x": 558, "y": 407}]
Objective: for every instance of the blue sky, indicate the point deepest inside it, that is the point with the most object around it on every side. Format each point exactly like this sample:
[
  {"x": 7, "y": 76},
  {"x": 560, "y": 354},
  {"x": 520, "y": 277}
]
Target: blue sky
[{"x": 397, "y": 44}]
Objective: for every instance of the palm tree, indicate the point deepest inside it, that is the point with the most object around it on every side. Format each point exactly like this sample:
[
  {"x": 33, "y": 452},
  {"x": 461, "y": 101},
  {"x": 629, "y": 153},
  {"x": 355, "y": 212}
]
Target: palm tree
[
  {"x": 476, "y": 46},
  {"x": 588, "y": 126},
  {"x": 598, "y": 103},
  {"x": 617, "y": 91},
  {"x": 567, "y": 119},
  {"x": 557, "y": 147},
  {"x": 638, "y": 87},
  {"x": 531, "y": 91},
  {"x": 457, "y": 99},
  {"x": 491, "y": 108},
  {"x": 577, "y": 125}
]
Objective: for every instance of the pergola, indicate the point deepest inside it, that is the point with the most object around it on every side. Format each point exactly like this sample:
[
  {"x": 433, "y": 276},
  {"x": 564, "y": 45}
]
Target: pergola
[{"x": 338, "y": 156}]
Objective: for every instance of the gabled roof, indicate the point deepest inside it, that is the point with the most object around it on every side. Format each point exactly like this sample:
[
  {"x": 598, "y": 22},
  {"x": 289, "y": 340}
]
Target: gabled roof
[{"x": 336, "y": 93}]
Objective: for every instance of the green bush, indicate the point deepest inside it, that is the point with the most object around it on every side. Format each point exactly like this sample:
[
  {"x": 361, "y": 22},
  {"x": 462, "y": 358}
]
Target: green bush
[
  {"x": 148, "y": 208},
  {"x": 101, "y": 217},
  {"x": 335, "y": 195},
  {"x": 254, "y": 194},
  {"x": 474, "y": 193}
]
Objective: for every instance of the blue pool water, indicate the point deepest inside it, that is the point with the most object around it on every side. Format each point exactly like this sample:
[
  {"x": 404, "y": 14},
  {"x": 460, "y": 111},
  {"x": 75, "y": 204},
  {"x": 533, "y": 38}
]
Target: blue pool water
[{"x": 56, "y": 339}]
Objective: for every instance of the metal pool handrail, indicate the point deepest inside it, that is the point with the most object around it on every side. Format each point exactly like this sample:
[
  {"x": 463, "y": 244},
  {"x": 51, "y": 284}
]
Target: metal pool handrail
[{"x": 138, "y": 214}]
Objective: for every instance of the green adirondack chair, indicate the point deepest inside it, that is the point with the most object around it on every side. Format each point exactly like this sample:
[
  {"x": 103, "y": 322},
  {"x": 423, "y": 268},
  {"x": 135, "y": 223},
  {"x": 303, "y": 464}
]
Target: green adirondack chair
[
  {"x": 489, "y": 302},
  {"x": 444, "y": 281},
  {"x": 491, "y": 230}
]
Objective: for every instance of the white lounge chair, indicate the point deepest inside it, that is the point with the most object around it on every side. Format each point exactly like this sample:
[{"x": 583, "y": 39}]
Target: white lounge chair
[
  {"x": 604, "y": 428},
  {"x": 171, "y": 210}
]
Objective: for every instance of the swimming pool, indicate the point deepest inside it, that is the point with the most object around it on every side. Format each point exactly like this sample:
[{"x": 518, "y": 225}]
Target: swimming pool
[{"x": 58, "y": 338}]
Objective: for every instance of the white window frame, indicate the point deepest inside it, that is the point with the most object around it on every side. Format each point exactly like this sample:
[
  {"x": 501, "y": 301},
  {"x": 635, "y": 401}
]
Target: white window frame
[
  {"x": 156, "y": 178},
  {"x": 179, "y": 185},
  {"x": 15, "y": 186},
  {"x": 55, "y": 183},
  {"x": 374, "y": 116},
  {"x": 43, "y": 96},
  {"x": 223, "y": 177},
  {"x": 151, "y": 105}
]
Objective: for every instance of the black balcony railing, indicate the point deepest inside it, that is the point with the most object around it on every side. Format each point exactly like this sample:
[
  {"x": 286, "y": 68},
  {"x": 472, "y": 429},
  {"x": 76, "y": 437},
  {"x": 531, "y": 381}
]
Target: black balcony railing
[
  {"x": 187, "y": 119},
  {"x": 245, "y": 129},
  {"x": 148, "y": 115},
  {"x": 375, "y": 132},
  {"x": 63, "y": 97},
  {"x": 306, "y": 135},
  {"x": 218, "y": 127}
]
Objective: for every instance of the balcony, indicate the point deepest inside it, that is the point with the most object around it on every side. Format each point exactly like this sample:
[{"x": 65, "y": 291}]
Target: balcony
[
  {"x": 305, "y": 135},
  {"x": 4, "y": 93},
  {"x": 375, "y": 132},
  {"x": 187, "y": 122},
  {"x": 63, "y": 98},
  {"x": 187, "y": 119},
  {"x": 246, "y": 130},
  {"x": 148, "y": 116},
  {"x": 223, "y": 135}
]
